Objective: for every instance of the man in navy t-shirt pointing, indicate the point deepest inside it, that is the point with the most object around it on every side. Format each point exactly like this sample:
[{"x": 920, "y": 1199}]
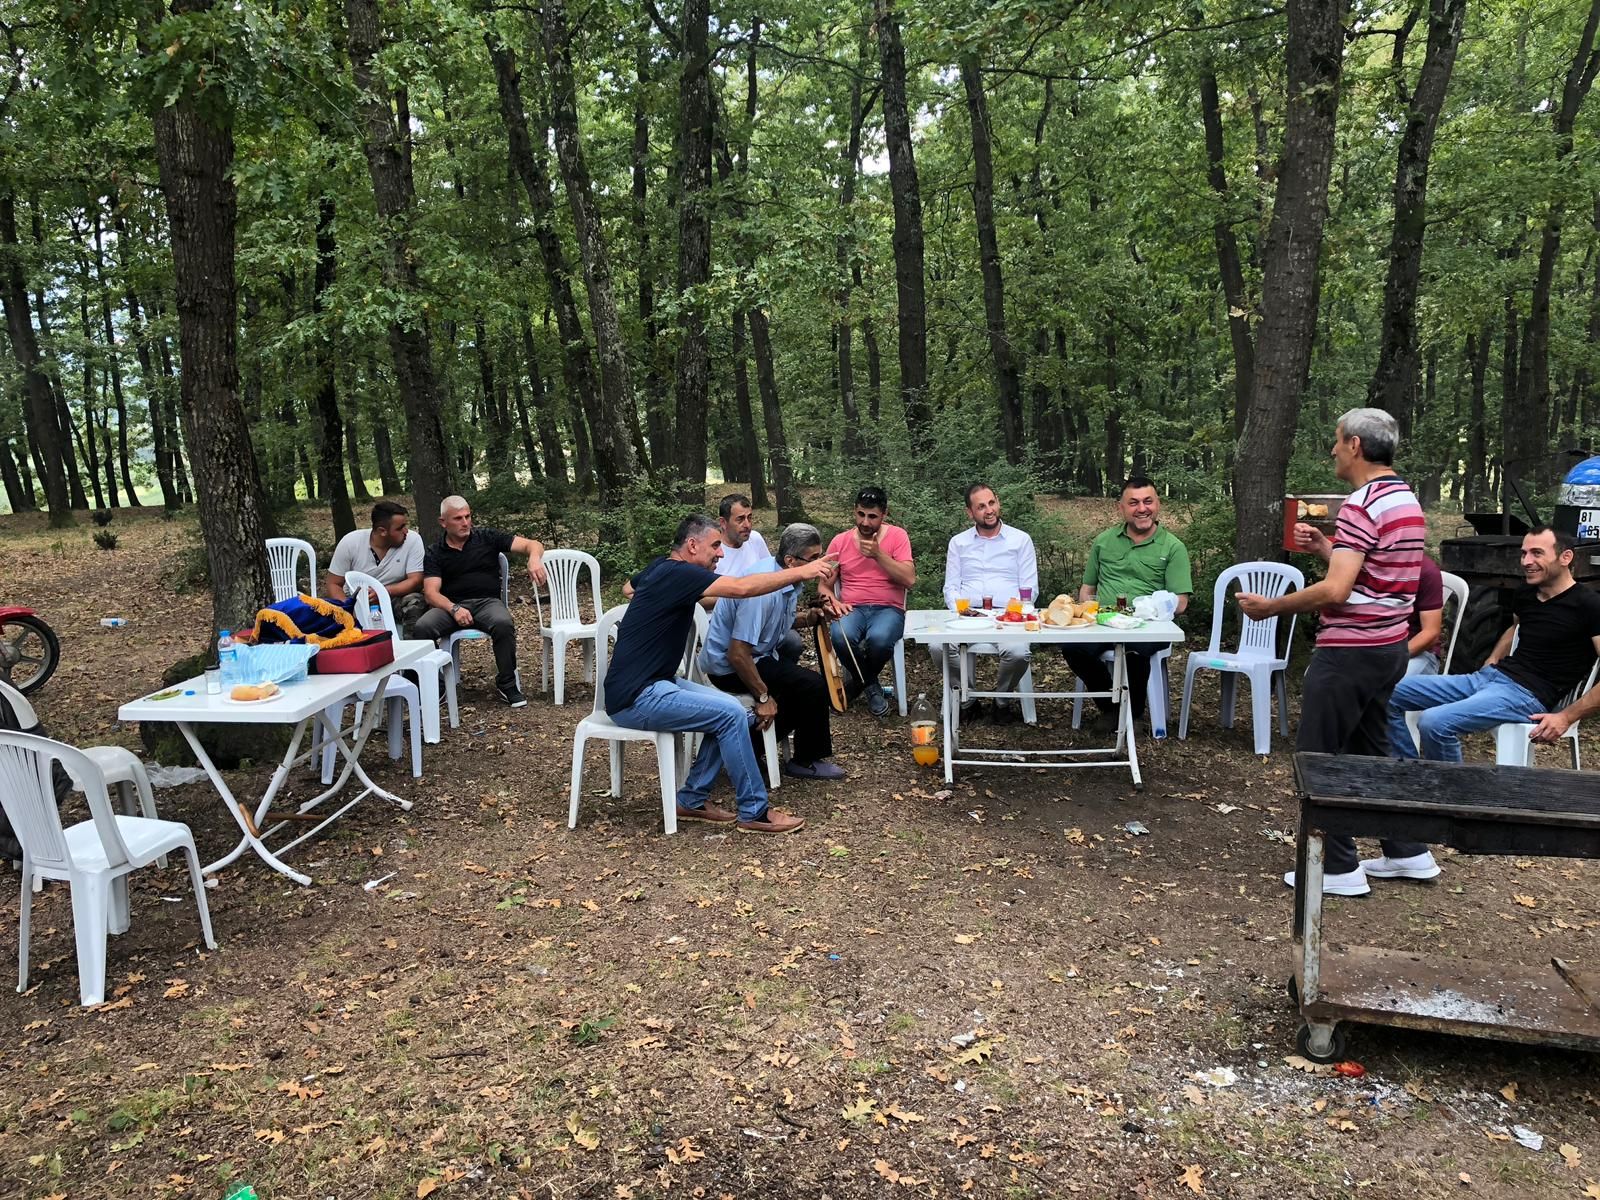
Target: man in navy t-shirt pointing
[{"x": 643, "y": 690}]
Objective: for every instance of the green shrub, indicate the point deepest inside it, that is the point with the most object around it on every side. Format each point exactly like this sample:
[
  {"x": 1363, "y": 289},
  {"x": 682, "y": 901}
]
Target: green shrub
[
  {"x": 508, "y": 504},
  {"x": 105, "y": 539},
  {"x": 103, "y": 517}
]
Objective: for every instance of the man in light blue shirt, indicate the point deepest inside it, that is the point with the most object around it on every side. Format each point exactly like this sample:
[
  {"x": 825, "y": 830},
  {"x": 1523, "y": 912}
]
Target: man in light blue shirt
[{"x": 741, "y": 655}]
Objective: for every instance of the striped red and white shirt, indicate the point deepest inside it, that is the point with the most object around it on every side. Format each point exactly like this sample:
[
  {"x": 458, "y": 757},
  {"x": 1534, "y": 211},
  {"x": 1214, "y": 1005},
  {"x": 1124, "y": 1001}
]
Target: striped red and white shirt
[{"x": 1383, "y": 522}]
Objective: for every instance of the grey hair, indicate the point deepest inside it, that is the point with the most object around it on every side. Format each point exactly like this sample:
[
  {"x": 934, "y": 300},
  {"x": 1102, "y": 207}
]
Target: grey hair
[
  {"x": 1379, "y": 433},
  {"x": 450, "y": 503},
  {"x": 695, "y": 525},
  {"x": 797, "y": 537}
]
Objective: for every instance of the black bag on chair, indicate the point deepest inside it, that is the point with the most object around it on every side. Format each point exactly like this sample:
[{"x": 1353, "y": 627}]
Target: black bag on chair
[{"x": 10, "y": 848}]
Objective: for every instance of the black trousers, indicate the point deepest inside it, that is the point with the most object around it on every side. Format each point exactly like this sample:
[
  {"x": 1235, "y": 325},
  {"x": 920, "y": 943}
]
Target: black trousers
[
  {"x": 1344, "y": 709},
  {"x": 1096, "y": 675},
  {"x": 489, "y": 616},
  {"x": 803, "y": 709}
]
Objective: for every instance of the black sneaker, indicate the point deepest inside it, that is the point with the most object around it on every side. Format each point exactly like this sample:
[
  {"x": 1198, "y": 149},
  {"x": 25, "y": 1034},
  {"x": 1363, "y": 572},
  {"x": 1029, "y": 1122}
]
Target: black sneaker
[
  {"x": 1007, "y": 714},
  {"x": 974, "y": 711},
  {"x": 512, "y": 696}
]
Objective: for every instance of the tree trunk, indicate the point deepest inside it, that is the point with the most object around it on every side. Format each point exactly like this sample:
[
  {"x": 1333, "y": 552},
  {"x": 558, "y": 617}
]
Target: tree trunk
[
  {"x": 50, "y": 363},
  {"x": 1008, "y": 382},
  {"x": 524, "y": 427},
  {"x": 658, "y": 418},
  {"x": 1228, "y": 264},
  {"x": 581, "y": 451},
  {"x": 911, "y": 301},
  {"x": 1584, "y": 381},
  {"x": 1290, "y": 278},
  {"x": 113, "y": 362},
  {"x": 194, "y": 150},
  {"x": 790, "y": 507},
  {"x": 92, "y": 422},
  {"x": 332, "y": 445},
  {"x": 18, "y": 498},
  {"x": 618, "y": 440},
  {"x": 40, "y": 412},
  {"x": 174, "y": 418},
  {"x": 151, "y": 381},
  {"x": 1394, "y": 380},
  {"x": 693, "y": 374},
  {"x": 577, "y": 367},
  {"x": 389, "y": 165},
  {"x": 555, "y": 458},
  {"x": 1533, "y": 385},
  {"x": 843, "y": 252},
  {"x": 352, "y": 444},
  {"x": 388, "y": 474}
]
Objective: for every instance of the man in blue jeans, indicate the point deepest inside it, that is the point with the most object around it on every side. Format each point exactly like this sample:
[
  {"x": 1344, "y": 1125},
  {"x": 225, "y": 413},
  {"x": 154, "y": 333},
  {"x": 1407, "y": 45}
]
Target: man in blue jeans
[
  {"x": 1556, "y": 624},
  {"x": 875, "y": 572},
  {"x": 643, "y": 690}
]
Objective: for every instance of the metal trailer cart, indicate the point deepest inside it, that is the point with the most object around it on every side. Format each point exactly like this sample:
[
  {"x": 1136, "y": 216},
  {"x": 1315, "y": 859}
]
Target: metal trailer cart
[{"x": 1478, "y": 809}]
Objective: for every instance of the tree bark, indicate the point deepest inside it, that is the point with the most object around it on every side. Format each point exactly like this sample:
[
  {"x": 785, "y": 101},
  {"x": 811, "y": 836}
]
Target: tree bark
[
  {"x": 1394, "y": 380},
  {"x": 18, "y": 498},
  {"x": 113, "y": 361},
  {"x": 577, "y": 367},
  {"x": 524, "y": 426},
  {"x": 151, "y": 381},
  {"x": 331, "y": 449},
  {"x": 1290, "y": 278},
  {"x": 352, "y": 444},
  {"x": 749, "y": 443},
  {"x": 40, "y": 412},
  {"x": 790, "y": 507},
  {"x": 389, "y": 165},
  {"x": 843, "y": 252},
  {"x": 555, "y": 458},
  {"x": 1008, "y": 382},
  {"x": 194, "y": 150},
  {"x": 658, "y": 418},
  {"x": 693, "y": 375},
  {"x": 905, "y": 191},
  {"x": 1228, "y": 263},
  {"x": 50, "y": 362},
  {"x": 1476, "y": 487},
  {"x": 91, "y": 422},
  {"x": 618, "y": 440},
  {"x": 1533, "y": 384}
]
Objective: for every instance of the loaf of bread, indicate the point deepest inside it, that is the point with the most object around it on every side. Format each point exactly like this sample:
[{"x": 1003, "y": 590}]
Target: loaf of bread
[{"x": 252, "y": 691}]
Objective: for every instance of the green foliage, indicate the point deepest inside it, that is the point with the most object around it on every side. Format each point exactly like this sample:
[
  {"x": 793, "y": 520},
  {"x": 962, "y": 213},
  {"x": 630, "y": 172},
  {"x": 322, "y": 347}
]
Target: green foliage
[
  {"x": 105, "y": 539},
  {"x": 638, "y": 527},
  {"x": 1209, "y": 538},
  {"x": 508, "y": 503},
  {"x": 588, "y": 1031}
]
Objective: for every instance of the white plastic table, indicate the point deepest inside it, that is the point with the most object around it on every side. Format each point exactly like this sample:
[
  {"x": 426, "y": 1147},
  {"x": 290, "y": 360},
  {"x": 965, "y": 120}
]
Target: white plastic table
[
  {"x": 298, "y": 704},
  {"x": 939, "y": 627}
]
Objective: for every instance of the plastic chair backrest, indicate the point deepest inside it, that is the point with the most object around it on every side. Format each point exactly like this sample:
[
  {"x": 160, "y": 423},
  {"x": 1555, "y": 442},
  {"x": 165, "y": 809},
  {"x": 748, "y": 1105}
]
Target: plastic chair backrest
[
  {"x": 505, "y": 581},
  {"x": 27, "y": 794},
  {"x": 565, "y": 569},
  {"x": 1268, "y": 579},
  {"x": 365, "y": 590},
  {"x": 283, "y": 557},
  {"x": 605, "y": 632},
  {"x": 1455, "y": 588},
  {"x": 697, "y": 640},
  {"x": 20, "y": 707}
]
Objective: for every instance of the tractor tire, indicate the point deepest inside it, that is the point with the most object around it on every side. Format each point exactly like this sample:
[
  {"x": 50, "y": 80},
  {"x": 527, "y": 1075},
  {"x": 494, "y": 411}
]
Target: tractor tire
[{"x": 1484, "y": 620}]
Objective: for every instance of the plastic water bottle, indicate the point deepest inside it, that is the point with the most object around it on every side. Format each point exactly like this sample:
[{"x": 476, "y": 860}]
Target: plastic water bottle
[
  {"x": 227, "y": 657},
  {"x": 113, "y": 622},
  {"x": 923, "y": 748}
]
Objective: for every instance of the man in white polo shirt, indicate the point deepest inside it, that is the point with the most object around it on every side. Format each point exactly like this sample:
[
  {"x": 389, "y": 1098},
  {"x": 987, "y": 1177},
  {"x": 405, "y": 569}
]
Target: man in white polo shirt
[
  {"x": 997, "y": 561},
  {"x": 391, "y": 552}
]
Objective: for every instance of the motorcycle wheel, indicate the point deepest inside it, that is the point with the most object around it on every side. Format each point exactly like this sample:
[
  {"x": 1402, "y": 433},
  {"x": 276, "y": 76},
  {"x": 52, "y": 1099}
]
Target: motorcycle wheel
[{"x": 29, "y": 652}]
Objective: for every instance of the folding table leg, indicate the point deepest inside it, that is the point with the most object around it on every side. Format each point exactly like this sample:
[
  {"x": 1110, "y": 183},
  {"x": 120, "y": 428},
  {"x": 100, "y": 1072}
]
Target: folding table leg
[{"x": 250, "y": 838}]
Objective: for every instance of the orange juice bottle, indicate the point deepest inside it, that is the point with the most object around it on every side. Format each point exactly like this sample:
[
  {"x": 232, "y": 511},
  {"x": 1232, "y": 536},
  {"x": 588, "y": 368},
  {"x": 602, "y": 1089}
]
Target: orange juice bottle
[{"x": 924, "y": 751}]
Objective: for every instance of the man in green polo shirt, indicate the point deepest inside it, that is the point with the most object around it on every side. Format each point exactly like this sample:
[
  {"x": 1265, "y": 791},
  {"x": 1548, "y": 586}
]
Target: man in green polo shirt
[{"x": 1129, "y": 560}]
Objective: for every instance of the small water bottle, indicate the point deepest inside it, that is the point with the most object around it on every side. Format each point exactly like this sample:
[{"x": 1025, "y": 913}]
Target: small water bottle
[
  {"x": 113, "y": 622},
  {"x": 227, "y": 657}
]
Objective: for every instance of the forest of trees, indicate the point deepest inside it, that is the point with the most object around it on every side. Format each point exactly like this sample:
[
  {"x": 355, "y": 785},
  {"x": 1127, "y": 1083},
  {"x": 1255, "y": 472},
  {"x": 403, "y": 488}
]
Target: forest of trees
[{"x": 258, "y": 251}]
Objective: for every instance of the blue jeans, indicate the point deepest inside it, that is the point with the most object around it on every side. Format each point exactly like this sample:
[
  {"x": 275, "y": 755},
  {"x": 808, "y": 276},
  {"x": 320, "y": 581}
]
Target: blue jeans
[
  {"x": 679, "y": 706},
  {"x": 873, "y": 631},
  {"x": 1452, "y": 705}
]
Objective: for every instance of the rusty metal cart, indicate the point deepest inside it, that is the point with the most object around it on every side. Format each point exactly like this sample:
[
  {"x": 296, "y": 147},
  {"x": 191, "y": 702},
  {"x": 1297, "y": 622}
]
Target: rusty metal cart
[{"x": 1478, "y": 809}]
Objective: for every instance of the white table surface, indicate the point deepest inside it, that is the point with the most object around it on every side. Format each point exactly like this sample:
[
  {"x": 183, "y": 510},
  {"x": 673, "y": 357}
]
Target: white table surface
[
  {"x": 294, "y": 703},
  {"x": 938, "y": 626}
]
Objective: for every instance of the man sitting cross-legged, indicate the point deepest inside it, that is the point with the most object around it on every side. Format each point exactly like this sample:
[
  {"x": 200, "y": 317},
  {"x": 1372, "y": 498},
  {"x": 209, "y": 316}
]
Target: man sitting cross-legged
[
  {"x": 643, "y": 689},
  {"x": 741, "y": 654},
  {"x": 875, "y": 572},
  {"x": 1556, "y": 622}
]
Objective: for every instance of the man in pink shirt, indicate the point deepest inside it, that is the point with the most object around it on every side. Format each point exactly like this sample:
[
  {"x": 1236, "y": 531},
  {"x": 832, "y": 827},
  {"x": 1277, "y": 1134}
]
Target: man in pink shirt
[{"x": 875, "y": 572}]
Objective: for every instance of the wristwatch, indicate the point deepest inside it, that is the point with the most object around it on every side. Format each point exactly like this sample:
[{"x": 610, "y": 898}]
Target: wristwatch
[{"x": 764, "y": 697}]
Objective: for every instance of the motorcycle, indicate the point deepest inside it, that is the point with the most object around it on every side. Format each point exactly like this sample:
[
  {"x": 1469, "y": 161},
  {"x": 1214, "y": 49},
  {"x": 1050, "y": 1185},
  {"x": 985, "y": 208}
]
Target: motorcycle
[{"x": 29, "y": 648}]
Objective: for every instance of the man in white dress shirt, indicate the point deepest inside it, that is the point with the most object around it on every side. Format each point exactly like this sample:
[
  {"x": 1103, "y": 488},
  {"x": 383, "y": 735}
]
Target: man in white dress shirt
[{"x": 997, "y": 561}]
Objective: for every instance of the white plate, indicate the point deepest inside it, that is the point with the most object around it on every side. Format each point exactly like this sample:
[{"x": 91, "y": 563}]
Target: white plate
[
  {"x": 960, "y": 624},
  {"x": 277, "y": 695}
]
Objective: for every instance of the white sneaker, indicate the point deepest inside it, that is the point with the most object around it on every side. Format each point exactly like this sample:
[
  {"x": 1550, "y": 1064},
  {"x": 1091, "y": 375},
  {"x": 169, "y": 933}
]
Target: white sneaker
[
  {"x": 1351, "y": 883},
  {"x": 1418, "y": 866}
]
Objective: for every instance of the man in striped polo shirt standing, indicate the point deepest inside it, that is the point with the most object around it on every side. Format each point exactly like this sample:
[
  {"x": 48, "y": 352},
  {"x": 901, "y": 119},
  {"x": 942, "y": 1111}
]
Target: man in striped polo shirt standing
[{"x": 1374, "y": 561}]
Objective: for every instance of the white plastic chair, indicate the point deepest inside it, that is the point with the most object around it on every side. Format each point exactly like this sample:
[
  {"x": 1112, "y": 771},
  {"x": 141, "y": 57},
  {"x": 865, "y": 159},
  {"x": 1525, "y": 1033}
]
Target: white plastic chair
[
  {"x": 432, "y": 669},
  {"x": 566, "y": 624},
  {"x": 1256, "y": 655},
  {"x": 599, "y": 725},
  {"x": 452, "y": 644},
  {"x": 120, "y": 767},
  {"x": 769, "y": 736},
  {"x": 1455, "y": 588},
  {"x": 1511, "y": 745},
  {"x": 900, "y": 675},
  {"x": 1155, "y": 704},
  {"x": 283, "y": 556},
  {"x": 94, "y": 857},
  {"x": 402, "y": 698}
]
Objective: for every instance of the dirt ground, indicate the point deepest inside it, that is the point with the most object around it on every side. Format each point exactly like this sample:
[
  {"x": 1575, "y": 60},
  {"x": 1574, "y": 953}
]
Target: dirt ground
[{"x": 993, "y": 989}]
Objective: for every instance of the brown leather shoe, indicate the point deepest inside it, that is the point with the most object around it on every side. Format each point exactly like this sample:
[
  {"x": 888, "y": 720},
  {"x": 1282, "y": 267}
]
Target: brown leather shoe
[
  {"x": 708, "y": 813},
  {"x": 773, "y": 822}
]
